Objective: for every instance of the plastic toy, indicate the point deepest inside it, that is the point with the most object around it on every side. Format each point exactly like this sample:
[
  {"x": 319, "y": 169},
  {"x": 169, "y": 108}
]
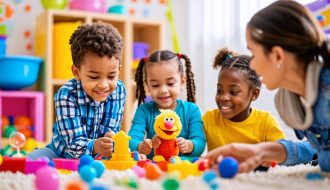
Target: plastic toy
[
  {"x": 47, "y": 178},
  {"x": 13, "y": 164},
  {"x": 99, "y": 168},
  {"x": 88, "y": 5},
  {"x": 139, "y": 171},
  {"x": 54, "y": 4},
  {"x": 171, "y": 184},
  {"x": 18, "y": 71},
  {"x": 63, "y": 60},
  {"x": 117, "y": 9},
  {"x": 167, "y": 127},
  {"x": 228, "y": 167},
  {"x": 87, "y": 173},
  {"x": 121, "y": 157},
  {"x": 66, "y": 164},
  {"x": 17, "y": 140},
  {"x": 209, "y": 175},
  {"x": 153, "y": 172},
  {"x": 185, "y": 168},
  {"x": 32, "y": 166}
]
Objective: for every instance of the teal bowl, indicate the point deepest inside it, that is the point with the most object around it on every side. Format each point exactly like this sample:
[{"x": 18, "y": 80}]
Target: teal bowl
[
  {"x": 18, "y": 72},
  {"x": 117, "y": 9}
]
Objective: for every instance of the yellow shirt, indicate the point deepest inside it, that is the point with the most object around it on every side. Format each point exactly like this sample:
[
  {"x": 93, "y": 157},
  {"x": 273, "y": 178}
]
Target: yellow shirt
[{"x": 260, "y": 126}]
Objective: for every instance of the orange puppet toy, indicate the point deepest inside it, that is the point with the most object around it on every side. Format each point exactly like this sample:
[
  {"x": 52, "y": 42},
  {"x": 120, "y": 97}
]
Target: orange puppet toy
[{"x": 167, "y": 127}]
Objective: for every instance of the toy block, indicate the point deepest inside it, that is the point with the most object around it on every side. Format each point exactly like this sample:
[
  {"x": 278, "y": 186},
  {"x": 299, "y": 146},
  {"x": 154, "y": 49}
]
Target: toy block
[
  {"x": 66, "y": 164},
  {"x": 31, "y": 166},
  {"x": 13, "y": 164}
]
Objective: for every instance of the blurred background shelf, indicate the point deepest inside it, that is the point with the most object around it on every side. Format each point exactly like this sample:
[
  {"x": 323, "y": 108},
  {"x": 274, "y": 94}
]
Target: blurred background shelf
[{"x": 132, "y": 30}]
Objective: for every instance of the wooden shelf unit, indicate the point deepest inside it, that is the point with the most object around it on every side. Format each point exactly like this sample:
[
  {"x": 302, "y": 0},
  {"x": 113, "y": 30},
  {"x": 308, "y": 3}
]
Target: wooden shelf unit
[{"x": 131, "y": 29}]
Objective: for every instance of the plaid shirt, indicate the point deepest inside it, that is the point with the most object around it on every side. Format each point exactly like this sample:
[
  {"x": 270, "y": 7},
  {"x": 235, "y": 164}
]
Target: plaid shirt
[{"x": 80, "y": 120}]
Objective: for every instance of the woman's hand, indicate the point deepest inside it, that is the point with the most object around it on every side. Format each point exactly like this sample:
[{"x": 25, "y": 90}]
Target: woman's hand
[{"x": 249, "y": 156}]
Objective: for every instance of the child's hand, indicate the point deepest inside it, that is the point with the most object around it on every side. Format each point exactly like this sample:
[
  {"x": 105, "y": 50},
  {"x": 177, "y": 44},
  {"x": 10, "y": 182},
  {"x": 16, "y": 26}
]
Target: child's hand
[
  {"x": 155, "y": 141},
  {"x": 109, "y": 134},
  {"x": 185, "y": 146},
  {"x": 103, "y": 146},
  {"x": 145, "y": 147}
]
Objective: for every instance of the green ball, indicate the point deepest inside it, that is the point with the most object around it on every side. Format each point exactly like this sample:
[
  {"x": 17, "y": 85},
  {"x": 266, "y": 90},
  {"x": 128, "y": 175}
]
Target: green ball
[
  {"x": 8, "y": 130},
  {"x": 171, "y": 184}
]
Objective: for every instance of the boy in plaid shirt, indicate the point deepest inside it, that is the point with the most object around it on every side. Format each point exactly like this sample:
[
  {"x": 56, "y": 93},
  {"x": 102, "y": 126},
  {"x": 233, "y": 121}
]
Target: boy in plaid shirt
[{"x": 89, "y": 107}]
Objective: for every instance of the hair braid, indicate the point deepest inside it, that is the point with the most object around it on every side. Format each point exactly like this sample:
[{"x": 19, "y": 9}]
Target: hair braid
[
  {"x": 191, "y": 88},
  {"x": 140, "y": 92}
]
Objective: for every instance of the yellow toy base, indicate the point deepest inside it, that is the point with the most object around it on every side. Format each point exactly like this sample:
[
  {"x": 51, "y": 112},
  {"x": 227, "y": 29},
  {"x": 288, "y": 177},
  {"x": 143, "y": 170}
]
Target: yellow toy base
[{"x": 118, "y": 165}]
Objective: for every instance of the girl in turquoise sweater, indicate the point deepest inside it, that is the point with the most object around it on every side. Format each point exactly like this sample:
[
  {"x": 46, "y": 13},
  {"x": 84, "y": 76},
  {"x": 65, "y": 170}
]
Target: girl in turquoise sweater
[{"x": 162, "y": 75}]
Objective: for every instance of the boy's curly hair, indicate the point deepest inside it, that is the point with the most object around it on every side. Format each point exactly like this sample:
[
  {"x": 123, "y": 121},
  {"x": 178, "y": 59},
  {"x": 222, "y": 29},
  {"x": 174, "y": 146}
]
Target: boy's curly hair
[{"x": 100, "y": 38}]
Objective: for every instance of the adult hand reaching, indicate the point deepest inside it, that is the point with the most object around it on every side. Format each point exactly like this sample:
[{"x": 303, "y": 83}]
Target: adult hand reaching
[{"x": 249, "y": 156}]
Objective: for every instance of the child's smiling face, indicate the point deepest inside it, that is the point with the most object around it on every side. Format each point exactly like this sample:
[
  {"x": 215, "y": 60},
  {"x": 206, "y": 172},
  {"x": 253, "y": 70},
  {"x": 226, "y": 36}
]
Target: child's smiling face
[
  {"x": 234, "y": 95},
  {"x": 164, "y": 83},
  {"x": 98, "y": 75}
]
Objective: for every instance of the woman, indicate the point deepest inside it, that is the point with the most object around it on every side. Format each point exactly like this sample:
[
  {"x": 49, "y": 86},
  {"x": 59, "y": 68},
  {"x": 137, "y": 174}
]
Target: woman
[{"x": 290, "y": 52}]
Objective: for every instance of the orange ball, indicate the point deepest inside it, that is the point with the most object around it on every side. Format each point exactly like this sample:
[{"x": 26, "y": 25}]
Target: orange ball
[
  {"x": 153, "y": 172},
  {"x": 22, "y": 122},
  {"x": 26, "y": 132},
  {"x": 76, "y": 185}
]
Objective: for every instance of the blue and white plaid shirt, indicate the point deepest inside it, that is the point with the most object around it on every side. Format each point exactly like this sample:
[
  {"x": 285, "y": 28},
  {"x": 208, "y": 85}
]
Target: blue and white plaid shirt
[{"x": 80, "y": 120}]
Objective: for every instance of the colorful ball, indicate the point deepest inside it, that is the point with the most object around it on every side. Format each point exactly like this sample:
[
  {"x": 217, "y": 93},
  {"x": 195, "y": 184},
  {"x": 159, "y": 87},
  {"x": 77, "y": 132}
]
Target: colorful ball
[
  {"x": 85, "y": 160},
  {"x": 47, "y": 178},
  {"x": 99, "y": 168},
  {"x": 209, "y": 175},
  {"x": 87, "y": 173},
  {"x": 228, "y": 167}
]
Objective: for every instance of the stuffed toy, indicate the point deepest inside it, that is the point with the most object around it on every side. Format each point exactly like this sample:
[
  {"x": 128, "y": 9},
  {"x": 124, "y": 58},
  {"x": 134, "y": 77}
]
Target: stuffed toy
[{"x": 167, "y": 127}]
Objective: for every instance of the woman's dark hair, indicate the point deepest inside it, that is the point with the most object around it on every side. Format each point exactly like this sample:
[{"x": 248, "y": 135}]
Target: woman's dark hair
[
  {"x": 227, "y": 59},
  {"x": 100, "y": 38},
  {"x": 156, "y": 57},
  {"x": 293, "y": 27}
]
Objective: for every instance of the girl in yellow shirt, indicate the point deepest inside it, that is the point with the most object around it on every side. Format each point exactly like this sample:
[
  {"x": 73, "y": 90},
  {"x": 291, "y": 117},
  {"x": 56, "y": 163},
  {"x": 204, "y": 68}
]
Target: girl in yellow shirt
[{"x": 234, "y": 120}]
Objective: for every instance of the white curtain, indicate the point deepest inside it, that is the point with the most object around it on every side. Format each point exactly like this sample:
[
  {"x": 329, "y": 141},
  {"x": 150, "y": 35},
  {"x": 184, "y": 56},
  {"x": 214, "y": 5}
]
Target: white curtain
[{"x": 215, "y": 24}]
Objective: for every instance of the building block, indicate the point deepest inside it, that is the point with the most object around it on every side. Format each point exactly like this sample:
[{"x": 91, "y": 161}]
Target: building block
[
  {"x": 185, "y": 168},
  {"x": 31, "y": 166},
  {"x": 66, "y": 164},
  {"x": 13, "y": 164},
  {"x": 121, "y": 157}
]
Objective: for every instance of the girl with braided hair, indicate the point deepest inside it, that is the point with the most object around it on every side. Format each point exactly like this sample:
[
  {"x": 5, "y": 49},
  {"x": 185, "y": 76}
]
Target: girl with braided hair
[
  {"x": 235, "y": 120},
  {"x": 162, "y": 74}
]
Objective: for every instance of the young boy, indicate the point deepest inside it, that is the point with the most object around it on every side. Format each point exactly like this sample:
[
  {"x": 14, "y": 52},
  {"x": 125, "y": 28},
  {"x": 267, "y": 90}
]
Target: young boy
[{"x": 89, "y": 107}]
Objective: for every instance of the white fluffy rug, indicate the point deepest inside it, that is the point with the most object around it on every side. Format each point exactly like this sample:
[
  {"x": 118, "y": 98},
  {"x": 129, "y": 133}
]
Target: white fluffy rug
[{"x": 278, "y": 178}]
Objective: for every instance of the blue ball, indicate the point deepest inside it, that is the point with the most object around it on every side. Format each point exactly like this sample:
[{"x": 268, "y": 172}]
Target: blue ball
[
  {"x": 51, "y": 164},
  {"x": 99, "y": 167},
  {"x": 87, "y": 173},
  {"x": 86, "y": 160},
  {"x": 228, "y": 167},
  {"x": 209, "y": 175}
]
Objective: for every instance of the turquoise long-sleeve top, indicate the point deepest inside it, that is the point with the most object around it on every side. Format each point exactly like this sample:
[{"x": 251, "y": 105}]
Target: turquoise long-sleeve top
[{"x": 192, "y": 126}]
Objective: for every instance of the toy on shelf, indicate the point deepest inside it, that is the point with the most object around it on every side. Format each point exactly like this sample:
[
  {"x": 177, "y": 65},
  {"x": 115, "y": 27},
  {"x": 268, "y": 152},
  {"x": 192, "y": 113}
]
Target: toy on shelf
[
  {"x": 17, "y": 141},
  {"x": 23, "y": 110},
  {"x": 117, "y": 9},
  {"x": 18, "y": 71},
  {"x": 121, "y": 157},
  {"x": 88, "y": 5},
  {"x": 54, "y": 4},
  {"x": 167, "y": 127},
  {"x": 140, "y": 50}
]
